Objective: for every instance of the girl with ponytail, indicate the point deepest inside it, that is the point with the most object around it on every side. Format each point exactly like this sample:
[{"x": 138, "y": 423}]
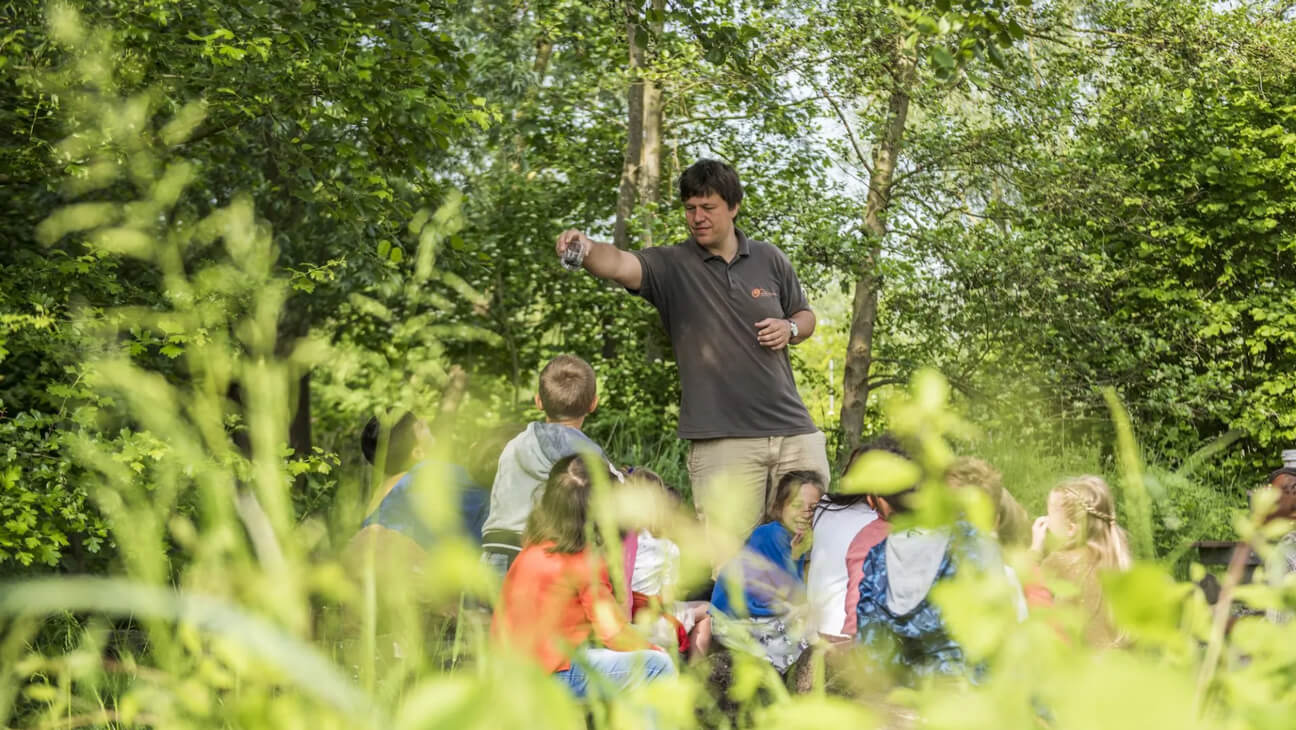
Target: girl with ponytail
[{"x": 1085, "y": 538}]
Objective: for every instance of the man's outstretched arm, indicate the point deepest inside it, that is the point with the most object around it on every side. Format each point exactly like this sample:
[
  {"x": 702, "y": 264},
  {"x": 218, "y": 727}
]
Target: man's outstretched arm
[{"x": 603, "y": 259}]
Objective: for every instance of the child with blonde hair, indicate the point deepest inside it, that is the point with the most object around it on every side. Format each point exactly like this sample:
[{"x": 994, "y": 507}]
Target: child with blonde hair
[
  {"x": 1081, "y": 528},
  {"x": 758, "y": 604}
]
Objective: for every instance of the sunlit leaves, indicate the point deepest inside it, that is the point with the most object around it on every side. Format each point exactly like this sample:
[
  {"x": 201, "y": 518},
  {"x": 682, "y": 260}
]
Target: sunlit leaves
[{"x": 881, "y": 472}]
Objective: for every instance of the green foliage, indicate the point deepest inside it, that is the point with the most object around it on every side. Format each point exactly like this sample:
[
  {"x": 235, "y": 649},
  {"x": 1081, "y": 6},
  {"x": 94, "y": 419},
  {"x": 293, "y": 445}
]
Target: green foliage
[
  {"x": 211, "y": 201},
  {"x": 42, "y": 510},
  {"x": 1195, "y": 259},
  {"x": 1071, "y": 220},
  {"x": 959, "y": 32},
  {"x": 333, "y": 117}
]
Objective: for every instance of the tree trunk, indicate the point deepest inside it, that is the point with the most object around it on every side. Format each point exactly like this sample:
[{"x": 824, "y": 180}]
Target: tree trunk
[
  {"x": 544, "y": 52},
  {"x": 650, "y": 191},
  {"x": 650, "y": 172},
  {"x": 651, "y": 152},
  {"x": 635, "y": 123},
  {"x": 859, "y": 348},
  {"x": 299, "y": 431}
]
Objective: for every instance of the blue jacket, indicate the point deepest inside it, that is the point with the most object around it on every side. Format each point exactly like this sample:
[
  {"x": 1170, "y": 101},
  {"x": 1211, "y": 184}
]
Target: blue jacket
[
  {"x": 766, "y": 572},
  {"x": 399, "y": 509},
  {"x": 917, "y": 642}
]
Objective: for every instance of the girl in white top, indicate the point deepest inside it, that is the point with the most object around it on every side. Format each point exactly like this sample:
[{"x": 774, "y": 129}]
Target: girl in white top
[
  {"x": 838, "y": 519},
  {"x": 656, "y": 565},
  {"x": 655, "y": 575}
]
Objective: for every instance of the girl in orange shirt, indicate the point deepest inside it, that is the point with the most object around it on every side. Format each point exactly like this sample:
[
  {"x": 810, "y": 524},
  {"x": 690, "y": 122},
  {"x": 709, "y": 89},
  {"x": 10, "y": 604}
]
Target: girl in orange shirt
[{"x": 557, "y": 603}]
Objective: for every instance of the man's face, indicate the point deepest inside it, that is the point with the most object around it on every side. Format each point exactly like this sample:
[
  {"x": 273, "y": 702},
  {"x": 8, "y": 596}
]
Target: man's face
[{"x": 710, "y": 219}]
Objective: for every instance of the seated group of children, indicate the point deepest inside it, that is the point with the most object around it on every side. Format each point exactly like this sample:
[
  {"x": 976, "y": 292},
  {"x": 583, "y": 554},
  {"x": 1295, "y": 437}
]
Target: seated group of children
[
  {"x": 832, "y": 569},
  {"x": 539, "y": 495},
  {"x": 825, "y": 568}
]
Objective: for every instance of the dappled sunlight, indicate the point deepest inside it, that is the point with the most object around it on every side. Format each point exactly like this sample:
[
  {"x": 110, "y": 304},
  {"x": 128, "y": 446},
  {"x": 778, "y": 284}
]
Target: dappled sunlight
[{"x": 275, "y": 358}]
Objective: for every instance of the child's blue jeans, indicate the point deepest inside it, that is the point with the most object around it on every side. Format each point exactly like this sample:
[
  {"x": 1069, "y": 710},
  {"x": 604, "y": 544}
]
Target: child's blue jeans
[{"x": 615, "y": 670}]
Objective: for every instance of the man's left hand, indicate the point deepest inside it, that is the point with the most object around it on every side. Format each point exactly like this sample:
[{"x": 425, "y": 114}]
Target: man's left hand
[{"x": 773, "y": 333}]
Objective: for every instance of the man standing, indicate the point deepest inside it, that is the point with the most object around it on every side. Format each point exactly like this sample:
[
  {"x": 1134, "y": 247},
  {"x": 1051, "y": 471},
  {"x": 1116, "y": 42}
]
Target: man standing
[{"x": 731, "y": 306}]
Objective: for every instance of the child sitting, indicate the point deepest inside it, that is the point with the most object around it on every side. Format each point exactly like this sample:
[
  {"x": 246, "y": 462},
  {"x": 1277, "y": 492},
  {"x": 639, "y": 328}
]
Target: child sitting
[
  {"x": 654, "y": 575},
  {"x": 406, "y": 517},
  {"x": 401, "y": 501},
  {"x": 557, "y": 596},
  {"x": 869, "y": 536},
  {"x": 839, "y": 520},
  {"x": 1081, "y": 521},
  {"x": 567, "y": 395},
  {"x": 898, "y": 623},
  {"x": 758, "y": 599},
  {"x": 1011, "y": 522}
]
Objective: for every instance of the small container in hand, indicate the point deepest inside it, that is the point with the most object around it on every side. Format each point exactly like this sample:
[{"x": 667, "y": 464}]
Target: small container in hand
[{"x": 573, "y": 256}]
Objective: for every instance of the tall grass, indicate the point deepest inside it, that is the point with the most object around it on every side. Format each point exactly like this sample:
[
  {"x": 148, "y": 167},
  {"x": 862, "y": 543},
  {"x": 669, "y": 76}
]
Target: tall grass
[{"x": 226, "y": 609}]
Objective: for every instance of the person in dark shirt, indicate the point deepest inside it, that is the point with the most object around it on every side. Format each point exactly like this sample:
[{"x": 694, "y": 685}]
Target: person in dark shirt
[{"x": 731, "y": 306}]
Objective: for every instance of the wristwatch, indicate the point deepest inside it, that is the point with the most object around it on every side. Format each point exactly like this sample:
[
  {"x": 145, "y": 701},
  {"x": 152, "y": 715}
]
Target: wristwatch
[{"x": 795, "y": 331}]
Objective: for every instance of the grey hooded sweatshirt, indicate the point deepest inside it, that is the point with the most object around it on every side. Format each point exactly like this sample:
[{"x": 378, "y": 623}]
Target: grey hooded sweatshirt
[{"x": 523, "y": 468}]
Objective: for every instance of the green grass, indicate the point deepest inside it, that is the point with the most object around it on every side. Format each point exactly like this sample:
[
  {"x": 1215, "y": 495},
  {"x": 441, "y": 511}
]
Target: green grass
[
  {"x": 1030, "y": 470},
  {"x": 244, "y": 613}
]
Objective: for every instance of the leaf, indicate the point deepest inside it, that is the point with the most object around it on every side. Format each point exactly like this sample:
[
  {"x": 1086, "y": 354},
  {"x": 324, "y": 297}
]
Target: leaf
[
  {"x": 73, "y": 218},
  {"x": 298, "y": 661},
  {"x": 1147, "y": 603},
  {"x": 880, "y": 472},
  {"x": 942, "y": 57}
]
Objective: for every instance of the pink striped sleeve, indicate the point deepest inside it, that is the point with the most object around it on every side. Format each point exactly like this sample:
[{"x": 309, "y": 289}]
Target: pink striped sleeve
[{"x": 871, "y": 534}]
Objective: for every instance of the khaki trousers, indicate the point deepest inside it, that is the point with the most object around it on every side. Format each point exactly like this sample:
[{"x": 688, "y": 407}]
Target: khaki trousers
[{"x": 733, "y": 479}]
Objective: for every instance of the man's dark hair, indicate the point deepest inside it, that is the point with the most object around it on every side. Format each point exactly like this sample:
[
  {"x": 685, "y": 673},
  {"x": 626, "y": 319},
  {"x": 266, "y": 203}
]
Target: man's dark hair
[
  {"x": 401, "y": 441},
  {"x": 787, "y": 486},
  {"x": 711, "y": 176}
]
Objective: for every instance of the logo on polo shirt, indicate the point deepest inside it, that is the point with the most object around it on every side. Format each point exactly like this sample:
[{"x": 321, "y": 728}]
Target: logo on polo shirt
[{"x": 759, "y": 292}]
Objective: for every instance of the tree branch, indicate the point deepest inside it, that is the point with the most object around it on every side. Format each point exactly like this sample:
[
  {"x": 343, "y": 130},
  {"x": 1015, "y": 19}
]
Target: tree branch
[{"x": 850, "y": 133}]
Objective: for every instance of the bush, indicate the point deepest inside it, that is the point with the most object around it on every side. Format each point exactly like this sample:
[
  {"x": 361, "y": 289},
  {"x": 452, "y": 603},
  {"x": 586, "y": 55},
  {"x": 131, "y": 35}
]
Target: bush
[{"x": 243, "y": 613}]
